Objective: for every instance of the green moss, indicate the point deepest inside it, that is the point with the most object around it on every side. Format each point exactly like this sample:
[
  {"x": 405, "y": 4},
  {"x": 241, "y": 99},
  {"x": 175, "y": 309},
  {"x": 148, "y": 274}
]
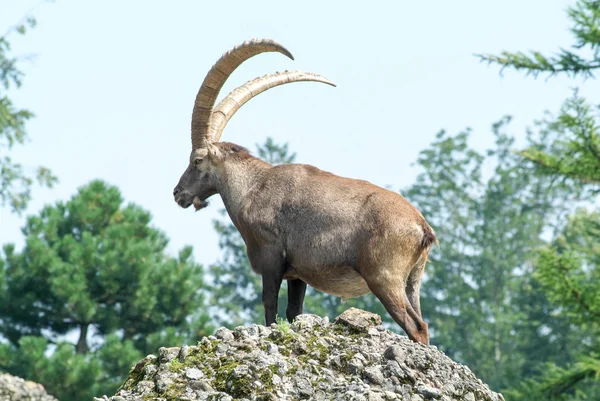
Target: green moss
[
  {"x": 215, "y": 397},
  {"x": 245, "y": 348},
  {"x": 315, "y": 383},
  {"x": 136, "y": 374},
  {"x": 237, "y": 387},
  {"x": 176, "y": 366},
  {"x": 151, "y": 396},
  {"x": 208, "y": 346},
  {"x": 174, "y": 392},
  {"x": 314, "y": 345},
  {"x": 285, "y": 339},
  {"x": 201, "y": 357},
  {"x": 348, "y": 331},
  {"x": 266, "y": 378}
]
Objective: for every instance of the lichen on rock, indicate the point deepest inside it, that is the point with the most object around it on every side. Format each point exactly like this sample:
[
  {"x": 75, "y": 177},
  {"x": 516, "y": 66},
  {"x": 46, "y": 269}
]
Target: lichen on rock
[{"x": 353, "y": 358}]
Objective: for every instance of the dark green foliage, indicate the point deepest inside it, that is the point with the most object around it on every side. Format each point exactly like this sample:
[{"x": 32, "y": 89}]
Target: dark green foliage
[
  {"x": 575, "y": 153},
  {"x": 490, "y": 211},
  {"x": 568, "y": 269},
  {"x": 569, "y": 273},
  {"x": 94, "y": 268},
  {"x": 15, "y": 181},
  {"x": 585, "y": 15},
  {"x": 68, "y": 375}
]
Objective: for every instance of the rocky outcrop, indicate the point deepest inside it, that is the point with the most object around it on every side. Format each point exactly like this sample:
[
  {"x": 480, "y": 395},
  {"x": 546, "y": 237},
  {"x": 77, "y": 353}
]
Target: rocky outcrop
[
  {"x": 16, "y": 389},
  {"x": 353, "y": 358}
]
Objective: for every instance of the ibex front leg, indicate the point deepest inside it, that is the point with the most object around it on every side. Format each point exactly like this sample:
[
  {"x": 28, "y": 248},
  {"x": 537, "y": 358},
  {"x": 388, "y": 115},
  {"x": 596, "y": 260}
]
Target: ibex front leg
[
  {"x": 271, "y": 284},
  {"x": 270, "y": 264},
  {"x": 296, "y": 291}
]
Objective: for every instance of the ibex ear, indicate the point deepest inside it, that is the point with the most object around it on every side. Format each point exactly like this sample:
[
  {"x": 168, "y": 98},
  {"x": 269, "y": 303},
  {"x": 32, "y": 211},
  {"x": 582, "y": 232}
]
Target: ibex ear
[{"x": 214, "y": 153}]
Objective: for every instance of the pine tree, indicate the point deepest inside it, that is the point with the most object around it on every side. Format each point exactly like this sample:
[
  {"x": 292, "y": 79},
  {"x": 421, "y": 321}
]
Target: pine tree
[
  {"x": 481, "y": 304},
  {"x": 568, "y": 269},
  {"x": 585, "y": 16},
  {"x": 96, "y": 271}
]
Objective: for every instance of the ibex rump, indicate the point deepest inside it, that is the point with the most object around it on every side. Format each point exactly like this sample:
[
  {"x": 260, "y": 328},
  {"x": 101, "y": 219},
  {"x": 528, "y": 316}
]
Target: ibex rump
[{"x": 342, "y": 236}]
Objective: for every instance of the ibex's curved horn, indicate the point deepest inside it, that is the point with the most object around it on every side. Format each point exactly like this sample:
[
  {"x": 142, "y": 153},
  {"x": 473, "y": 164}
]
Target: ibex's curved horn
[
  {"x": 216, "y": 77},
  {"x": 227, "y": 107}
]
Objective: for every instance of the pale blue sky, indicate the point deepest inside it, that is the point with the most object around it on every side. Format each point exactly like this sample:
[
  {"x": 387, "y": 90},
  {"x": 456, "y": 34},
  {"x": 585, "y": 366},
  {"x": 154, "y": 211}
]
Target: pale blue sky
[{"x": 114, "y": 82}]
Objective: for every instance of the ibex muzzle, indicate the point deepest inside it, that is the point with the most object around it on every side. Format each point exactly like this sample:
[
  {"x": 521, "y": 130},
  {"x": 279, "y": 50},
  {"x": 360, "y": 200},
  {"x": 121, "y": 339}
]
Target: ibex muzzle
[{"x": 342, "y": 236}]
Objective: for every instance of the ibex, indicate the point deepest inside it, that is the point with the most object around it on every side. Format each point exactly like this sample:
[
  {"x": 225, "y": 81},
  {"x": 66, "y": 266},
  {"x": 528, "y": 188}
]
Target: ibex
[{"x": 343, "y": 236}]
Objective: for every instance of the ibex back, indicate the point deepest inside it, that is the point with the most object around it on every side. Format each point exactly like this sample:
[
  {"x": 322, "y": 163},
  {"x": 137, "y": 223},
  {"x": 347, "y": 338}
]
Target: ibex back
[{"x": 341, "y": 236}]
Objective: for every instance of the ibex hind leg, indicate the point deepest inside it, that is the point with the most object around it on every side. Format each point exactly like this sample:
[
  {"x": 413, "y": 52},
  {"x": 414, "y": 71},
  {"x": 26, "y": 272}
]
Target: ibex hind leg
[
  {"x": 392, "y": 295},
  {"x": 413, "y": 285}
]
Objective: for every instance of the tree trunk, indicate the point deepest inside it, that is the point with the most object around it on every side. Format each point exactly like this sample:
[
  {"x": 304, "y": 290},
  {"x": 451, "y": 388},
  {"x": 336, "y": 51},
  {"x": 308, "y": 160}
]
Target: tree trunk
[{"x": 82, "y": 347}]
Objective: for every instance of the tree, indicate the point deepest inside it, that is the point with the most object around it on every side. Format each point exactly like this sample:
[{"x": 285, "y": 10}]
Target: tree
[
  {"x": 94, "y": 270},
  {"x": 575, "y": 155},
  {"x": 478, "y": 296},
  {"x": 15, "y": 181},
  {"x": 568, "y": 269},
  {"x": 585, "y": 16}
]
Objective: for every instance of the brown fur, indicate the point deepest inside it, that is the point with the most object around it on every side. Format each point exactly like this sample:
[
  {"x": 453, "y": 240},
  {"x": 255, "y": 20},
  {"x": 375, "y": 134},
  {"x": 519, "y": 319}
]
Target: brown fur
[{"x": 342, "y": 236}]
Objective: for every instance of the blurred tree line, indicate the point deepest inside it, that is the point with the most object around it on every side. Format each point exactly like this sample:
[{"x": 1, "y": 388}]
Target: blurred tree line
[{"x": 513, "y": 290}]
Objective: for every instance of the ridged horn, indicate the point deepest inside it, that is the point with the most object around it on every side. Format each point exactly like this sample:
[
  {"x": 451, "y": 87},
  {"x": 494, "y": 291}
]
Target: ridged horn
[
  {"x": 227, "y": 107},
  {"x": 216, "y": 77}
]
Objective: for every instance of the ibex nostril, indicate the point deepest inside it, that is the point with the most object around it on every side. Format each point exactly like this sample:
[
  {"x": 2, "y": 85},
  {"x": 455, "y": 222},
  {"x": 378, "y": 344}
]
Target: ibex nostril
[{"x": 175, "y": 191}]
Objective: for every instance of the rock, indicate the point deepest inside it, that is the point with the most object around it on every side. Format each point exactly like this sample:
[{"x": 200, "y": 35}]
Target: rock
[
  {"x": 272, "y": 348},
  {"x": 375, "y": 397},
  {"x": 224, "y": 334},
  {"x": 200, "y": 385},
  {"x": 193, "y": 373},
  {"x": 16, "y": 389},
  {"x": 429, "y": 392},
  {"x": 469, "y": 397},
  {"x": 355, "y": 366},
  {"x": 374, "y": 375},
  {"x": 396, "y": 353},
  {"x": 358, "y": 320},
  {"x": 183, "y": 352},
  {"x": 390, "y": 395},
  {"x": 168, "y": 354},
  {"x": 352, "y": 358}
]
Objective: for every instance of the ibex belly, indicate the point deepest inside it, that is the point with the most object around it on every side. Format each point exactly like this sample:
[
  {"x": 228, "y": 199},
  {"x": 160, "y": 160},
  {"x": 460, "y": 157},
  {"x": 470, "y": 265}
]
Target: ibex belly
[{"x": 341, "y": 281}]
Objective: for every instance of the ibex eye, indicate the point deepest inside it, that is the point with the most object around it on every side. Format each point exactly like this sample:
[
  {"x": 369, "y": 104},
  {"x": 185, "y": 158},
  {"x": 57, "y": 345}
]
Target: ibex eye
[{"x": 197, "y": 161}]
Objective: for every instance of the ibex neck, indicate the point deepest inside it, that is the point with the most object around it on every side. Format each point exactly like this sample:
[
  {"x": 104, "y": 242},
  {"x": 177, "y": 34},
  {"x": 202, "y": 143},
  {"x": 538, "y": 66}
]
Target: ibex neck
[{"x": 236, "y": 179}]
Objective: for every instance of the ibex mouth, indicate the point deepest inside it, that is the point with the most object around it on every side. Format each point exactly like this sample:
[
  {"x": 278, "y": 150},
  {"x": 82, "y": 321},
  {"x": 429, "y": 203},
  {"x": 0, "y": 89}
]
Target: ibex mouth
[{"x": 199, "y": 203}]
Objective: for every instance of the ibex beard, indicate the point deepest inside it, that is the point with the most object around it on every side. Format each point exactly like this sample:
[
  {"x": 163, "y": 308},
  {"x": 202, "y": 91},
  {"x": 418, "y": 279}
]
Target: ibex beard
[{"x": 341, "y": 236}]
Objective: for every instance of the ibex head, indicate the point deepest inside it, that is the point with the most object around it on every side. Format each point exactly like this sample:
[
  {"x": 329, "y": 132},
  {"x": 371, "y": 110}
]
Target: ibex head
[{"x": 199, "y": 180}]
